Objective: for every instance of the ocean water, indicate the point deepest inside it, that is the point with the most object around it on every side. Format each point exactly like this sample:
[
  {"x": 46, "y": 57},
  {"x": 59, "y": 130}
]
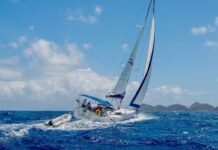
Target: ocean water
[{"x": 159, "y": 130}]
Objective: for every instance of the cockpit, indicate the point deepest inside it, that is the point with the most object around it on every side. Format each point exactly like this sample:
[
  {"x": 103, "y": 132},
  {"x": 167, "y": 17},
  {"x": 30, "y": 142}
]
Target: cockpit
[{"x": 93, "y": 104}]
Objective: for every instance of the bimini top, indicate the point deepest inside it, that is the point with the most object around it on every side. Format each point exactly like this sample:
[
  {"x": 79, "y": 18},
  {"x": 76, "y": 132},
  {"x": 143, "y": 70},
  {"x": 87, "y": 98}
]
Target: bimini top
[{"x": 100, "y": 101}]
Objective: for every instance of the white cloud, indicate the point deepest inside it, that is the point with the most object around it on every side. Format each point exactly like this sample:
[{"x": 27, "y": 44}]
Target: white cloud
[
  {"x": 88, "y": 19},
  {"x": 9, "y": 61},
  {"x": 87, "y": 46},
  {"x": 213, "y": 44},
  {"x": 14, "y": 45},
  {"x": 48, "y": 52},
  {"x": 71, "y": 18},
  {"x": 216, "y": 21},
  {"x": 21, "y": 41},
  {"x": 91, "y": 18},
  {"x": 201, "y": 30},
  {"x": 32, "y": 27},
  {"x": 98, "y": 10},
  {"x": 11, "y": 89},
  {"x": 124, "y": 47},
  {"x": 9, "y": 73},
  {"x": 60, "y": 78},
  {"x": 172, "y": 91}
]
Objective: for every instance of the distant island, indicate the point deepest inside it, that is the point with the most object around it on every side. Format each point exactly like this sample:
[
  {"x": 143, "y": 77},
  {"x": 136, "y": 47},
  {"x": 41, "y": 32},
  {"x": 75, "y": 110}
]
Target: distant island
[{"x": 177, "y": 107}]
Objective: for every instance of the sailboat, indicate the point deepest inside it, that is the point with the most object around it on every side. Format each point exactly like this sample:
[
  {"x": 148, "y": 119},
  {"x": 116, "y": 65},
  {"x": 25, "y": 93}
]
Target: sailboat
[
  {"x": 97, "y": 109},
  {"x": 104, "y": 110}
]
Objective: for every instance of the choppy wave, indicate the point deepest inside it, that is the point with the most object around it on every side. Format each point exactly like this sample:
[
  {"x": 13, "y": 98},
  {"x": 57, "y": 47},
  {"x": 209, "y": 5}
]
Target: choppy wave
[
  {"x": 21, "y": 129},
  {"x": 168, "y": 130}
]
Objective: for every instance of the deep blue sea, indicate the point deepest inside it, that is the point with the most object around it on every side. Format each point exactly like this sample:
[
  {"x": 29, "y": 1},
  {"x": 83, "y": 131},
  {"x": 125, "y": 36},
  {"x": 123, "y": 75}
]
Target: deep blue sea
[{"x": 159, "y": 130}]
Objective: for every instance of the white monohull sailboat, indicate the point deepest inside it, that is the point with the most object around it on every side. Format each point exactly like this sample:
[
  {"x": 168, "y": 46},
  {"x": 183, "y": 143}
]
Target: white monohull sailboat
[
  {"x": 105, "y": 111},
  {"x": 96, "y": 109}
]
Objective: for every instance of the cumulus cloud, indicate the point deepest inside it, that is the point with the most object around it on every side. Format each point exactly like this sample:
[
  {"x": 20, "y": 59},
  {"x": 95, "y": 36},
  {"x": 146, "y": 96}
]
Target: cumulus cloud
[
  {"x": 9, "y": 60},
  {"x": 32, "y": 27},
  {"x": 52, "y": 72},
  {"x": 124, "y": 47},
  {"x": 202, "y": 30},
  {"x": 216, "y": 21},
  {"x": 98, "y": 10},
  {"x": 11, "y": 89},
  {"x": 21, "y": 41},
  {"x": 91, "y": 18},
  {"x": 167, "y": 91},
  {"x": 8, "y": 73},
  {"x": 49, "y": 53},
  {"x": 87, "y": 46},
  {"x": 14, "y": 45},
  {"x": 213, "y": 44}
]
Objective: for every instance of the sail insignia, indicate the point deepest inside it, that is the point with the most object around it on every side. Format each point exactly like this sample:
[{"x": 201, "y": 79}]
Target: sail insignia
[{"x": 131, "y": 61}]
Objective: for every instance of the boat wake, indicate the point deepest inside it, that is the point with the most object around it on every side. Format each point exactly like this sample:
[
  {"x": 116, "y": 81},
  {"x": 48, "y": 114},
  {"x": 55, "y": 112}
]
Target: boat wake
[{"x": 21, "y": 129}]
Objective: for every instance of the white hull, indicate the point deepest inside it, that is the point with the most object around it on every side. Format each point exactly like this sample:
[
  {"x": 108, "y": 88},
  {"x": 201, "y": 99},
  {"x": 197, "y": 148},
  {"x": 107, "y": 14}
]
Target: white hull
[
  {"x": 110, "y": 116},
  {"x": 59, "y": 120}
]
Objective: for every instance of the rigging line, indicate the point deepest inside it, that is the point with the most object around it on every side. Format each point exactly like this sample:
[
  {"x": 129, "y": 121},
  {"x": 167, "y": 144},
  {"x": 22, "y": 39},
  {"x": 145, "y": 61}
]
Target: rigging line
[
  {"x": 146, "y": 17},
  {"x": 130, "y": 35},
  {"x": 130, "y": 39}
]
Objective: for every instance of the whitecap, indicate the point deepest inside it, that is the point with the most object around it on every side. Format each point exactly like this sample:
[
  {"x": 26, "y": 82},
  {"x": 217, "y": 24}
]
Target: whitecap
[{"x": 19, "y": 130}]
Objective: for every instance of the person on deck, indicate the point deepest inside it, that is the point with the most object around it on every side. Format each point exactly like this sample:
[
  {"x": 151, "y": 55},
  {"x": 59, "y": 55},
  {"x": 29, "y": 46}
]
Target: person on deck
[
  {"x": 84, "y": 103},
  {"x": 89, "y": 106}
]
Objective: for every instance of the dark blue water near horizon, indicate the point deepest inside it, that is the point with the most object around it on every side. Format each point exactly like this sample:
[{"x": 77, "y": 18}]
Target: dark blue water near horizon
[{"x": 158, "y": 130}]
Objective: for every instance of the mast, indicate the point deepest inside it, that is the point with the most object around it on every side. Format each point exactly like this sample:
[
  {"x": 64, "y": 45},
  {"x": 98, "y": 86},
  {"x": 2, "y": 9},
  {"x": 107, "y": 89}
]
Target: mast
[
  {"x": 140, "y": 93},
  {"x": 120, "y": 88}
]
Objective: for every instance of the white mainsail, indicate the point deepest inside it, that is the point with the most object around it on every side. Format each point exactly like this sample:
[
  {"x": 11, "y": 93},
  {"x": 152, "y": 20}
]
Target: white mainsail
[
  {"x": 120, "y": 88},
  {"x": 140, "y": 93}
]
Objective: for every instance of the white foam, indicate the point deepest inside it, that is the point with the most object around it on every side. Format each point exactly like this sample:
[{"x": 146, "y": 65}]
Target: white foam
[
  {"x": 88, "y": 125},
  {"x": 19, "y": 130},
  {"x": 13, "y": 129}
]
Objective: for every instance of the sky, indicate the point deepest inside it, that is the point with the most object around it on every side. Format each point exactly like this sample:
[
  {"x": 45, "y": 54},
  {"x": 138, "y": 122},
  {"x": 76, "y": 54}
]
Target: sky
[{"x": 50, "y": 51}]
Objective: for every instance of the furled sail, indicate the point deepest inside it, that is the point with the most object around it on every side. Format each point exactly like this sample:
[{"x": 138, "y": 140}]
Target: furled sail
[
  {"x": 140, "y": 93},
  {"x": 120, "y": 88}
]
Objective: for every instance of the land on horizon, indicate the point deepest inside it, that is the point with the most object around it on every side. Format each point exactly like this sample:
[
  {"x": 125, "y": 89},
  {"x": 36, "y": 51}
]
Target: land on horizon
[{"x": 179, "y": 107}]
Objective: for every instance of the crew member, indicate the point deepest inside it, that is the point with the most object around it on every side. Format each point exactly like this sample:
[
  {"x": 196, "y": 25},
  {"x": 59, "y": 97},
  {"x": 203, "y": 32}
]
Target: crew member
[{"x": 84, "y": 103}]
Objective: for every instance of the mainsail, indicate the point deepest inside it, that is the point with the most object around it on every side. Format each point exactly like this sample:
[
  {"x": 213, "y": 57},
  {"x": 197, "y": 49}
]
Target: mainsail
[
  {"x": 140, "y": 93},
  {"x": 120, "y": 88}
]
